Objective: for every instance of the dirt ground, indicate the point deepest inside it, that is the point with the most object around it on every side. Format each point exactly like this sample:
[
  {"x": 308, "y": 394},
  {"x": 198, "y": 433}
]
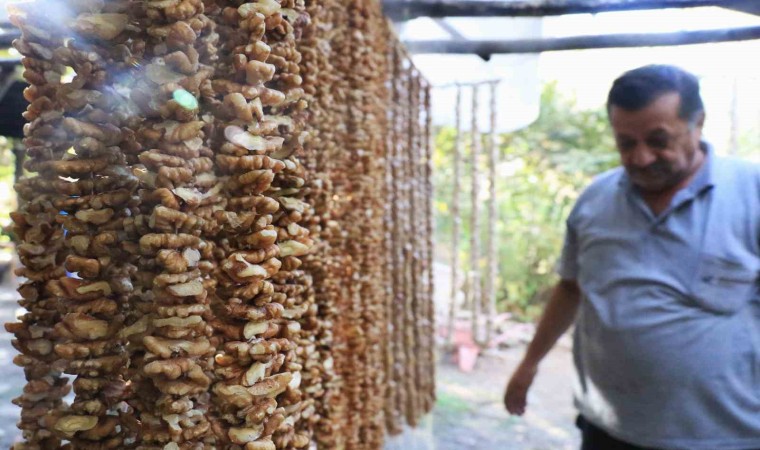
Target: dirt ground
[{"x": 468, "y": 414}]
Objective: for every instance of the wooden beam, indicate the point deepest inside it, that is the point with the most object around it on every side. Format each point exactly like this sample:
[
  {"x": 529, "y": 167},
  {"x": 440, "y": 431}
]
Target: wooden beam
[
  {"x": 409, "y": 9},
  {"x": 584, "y": 42}
]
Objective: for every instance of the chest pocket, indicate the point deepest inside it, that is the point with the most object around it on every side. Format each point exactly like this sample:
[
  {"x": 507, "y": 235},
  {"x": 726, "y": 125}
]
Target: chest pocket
[{"x": 721, "y": 285}]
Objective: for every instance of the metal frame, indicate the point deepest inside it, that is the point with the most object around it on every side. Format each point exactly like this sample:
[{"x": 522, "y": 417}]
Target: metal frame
[
  {"x": 406, "y": 10},
  {"x": 489, "y": 47},
  {"x": 401, "y": 10}
]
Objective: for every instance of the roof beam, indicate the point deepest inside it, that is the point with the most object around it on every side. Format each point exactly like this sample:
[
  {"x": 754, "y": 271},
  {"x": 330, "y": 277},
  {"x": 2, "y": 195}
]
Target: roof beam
[
  {"x": 483, "y": 47},
  {"x": 399, "y": 10},
  {"x": 454, "y": 33},
  {"x": 445, "y": 26},
  {"x": 8, "y": 34},
  {"x": 751, "y": 8}
]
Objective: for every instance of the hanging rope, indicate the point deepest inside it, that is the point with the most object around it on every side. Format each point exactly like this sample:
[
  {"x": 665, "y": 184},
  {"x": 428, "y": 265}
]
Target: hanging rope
[
  {"x": 490, "y": 294},
  {"x": 455, "y": 217},
  {"x": 474, "y": 272}
]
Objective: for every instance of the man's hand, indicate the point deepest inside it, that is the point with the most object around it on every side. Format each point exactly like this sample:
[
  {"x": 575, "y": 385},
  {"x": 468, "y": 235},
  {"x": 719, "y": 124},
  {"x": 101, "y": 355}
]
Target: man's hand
[
  {"x": 515, "y": 397},
  {"x": 557, "y": 317}
]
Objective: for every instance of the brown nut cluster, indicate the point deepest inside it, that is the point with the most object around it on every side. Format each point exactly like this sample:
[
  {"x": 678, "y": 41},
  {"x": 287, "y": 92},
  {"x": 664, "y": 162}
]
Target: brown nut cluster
[
  {"x": 410, "y": 379},
  {"x": 228, "y": 206},
  {"x": 79, "y": 185},
  {"x": 98, "y": 282},
  {"x": 324, "y": 160},
  {"x": 257, "y": 396},
  {"x": 171, "y": 335}
]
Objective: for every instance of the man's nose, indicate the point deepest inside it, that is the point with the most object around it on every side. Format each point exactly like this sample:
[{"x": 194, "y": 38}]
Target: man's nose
[{"x": 641, "y": 156}]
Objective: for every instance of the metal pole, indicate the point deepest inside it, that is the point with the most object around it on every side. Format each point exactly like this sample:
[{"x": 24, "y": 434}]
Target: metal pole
[
  {"x": 493, "y": 47},
  {"x": 400, "y": 10}
]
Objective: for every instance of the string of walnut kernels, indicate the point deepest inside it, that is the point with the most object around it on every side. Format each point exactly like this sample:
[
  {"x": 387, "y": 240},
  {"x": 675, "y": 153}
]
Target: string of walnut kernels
[
  {"x": 337, "y": 44},
  {"x": 40, "y": 246},
  {"x": 474, "y": 272},
  {"x": 366, "y": 146},
  {"x": 399, "y": 212},
  {"x": 317, "y": 337},
  {"x": 392, "y": 419},
  {"x": 257, "y": 387},
  {"x": 429, "y": 394},
  {"x": 171, "y": 335},
  {"x": 489, "y": 298},
  {"x": 410, "y": 405},
  {"x": 455, "y": 216}
]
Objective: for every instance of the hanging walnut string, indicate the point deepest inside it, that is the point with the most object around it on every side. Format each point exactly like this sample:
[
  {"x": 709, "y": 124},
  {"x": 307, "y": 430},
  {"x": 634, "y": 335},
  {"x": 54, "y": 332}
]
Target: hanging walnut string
[
  {"x": 456, "y": 219},
  {"x": 428, "y": 367},
  {"x": 415, "y": 216},
  {"x": 394, "y": 397},
  {"x": 370, "y": 152},
  {"x": 491, "y": 265},
  {"x": 315, "y": 323},
  {"x": 213, "y": 201},
  {"x": 176, "y": 175},
  {"x": 40, "y": 236},
  {"x": 409, "y": 406},
  {"x": 474, "y": 269},
  {"x": 257, "y": 397}
]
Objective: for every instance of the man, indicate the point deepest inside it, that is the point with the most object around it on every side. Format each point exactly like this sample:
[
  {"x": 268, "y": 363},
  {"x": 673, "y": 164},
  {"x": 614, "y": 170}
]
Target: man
[{"x": 660, "y": 268}]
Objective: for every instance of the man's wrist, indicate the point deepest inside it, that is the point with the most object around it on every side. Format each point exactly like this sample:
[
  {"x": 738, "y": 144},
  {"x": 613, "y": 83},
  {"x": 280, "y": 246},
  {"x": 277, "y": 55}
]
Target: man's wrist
[{"x": 530, "y": 362}]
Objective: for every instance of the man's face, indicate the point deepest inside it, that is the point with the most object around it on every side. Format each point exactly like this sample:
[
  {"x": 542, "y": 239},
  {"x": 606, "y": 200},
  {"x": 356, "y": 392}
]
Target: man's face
[{"x": 658, "y": 148}]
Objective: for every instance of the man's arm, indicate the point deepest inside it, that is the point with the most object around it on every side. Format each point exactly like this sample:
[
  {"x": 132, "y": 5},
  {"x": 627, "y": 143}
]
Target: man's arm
[{"x": 559, "y": 314}]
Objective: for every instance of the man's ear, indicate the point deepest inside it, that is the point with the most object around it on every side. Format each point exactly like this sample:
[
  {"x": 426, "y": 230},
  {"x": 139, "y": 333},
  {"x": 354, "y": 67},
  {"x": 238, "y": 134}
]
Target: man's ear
[{"x": 699, "y": 122}]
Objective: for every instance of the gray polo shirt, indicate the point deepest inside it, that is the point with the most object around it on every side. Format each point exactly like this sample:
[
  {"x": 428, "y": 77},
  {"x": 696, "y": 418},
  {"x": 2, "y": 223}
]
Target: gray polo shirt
[{"x": 667, "y": 341}]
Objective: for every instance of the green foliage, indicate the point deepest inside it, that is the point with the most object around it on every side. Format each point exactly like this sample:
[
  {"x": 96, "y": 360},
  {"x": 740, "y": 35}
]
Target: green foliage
[
  {"x": 749, "y": 144},
  {"x": 541, "y": 171},
  {"x": 7, "y": 194}
]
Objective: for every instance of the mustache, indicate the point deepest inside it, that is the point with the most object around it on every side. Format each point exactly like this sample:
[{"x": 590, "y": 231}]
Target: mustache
[{"x": 657, "y": 168}]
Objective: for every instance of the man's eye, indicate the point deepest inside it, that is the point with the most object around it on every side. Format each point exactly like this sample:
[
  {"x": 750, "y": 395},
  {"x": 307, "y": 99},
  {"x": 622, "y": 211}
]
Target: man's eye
[
  {"x": 626, "y": 144},
  {"x": 658, "y": 142}
]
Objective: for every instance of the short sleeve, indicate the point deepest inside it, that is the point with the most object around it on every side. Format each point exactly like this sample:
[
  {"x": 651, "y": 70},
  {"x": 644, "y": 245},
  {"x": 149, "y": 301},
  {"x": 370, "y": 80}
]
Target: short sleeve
[{"x": 567, "y": 267}]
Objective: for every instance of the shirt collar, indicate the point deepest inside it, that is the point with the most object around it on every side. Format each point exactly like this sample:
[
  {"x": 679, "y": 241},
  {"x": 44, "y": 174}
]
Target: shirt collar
[{"x": 705, "y": 177}]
